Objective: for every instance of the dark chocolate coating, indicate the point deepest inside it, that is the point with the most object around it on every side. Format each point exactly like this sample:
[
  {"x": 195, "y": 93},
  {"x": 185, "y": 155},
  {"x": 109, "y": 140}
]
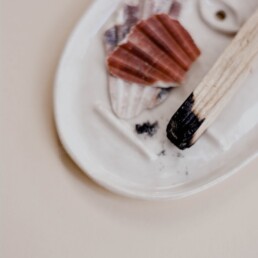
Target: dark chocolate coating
[{"x": 183, "y": 125}]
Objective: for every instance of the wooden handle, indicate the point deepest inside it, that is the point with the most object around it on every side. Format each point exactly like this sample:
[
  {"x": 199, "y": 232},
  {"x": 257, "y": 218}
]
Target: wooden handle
[{"x": 216, "y": 89}]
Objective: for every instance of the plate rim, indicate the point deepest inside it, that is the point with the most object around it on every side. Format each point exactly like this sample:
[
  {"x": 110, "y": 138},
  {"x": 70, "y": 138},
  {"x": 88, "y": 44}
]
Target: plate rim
[{"x": 87, "y": 169}]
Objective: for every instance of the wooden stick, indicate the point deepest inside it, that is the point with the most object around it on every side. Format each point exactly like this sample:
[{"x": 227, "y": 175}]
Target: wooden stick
[{"x": 217, "y": 88}]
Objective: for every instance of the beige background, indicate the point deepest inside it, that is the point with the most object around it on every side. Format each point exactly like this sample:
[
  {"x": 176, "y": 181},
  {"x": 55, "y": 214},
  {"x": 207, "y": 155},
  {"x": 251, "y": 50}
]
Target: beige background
[{"x": 50, "y": 209}]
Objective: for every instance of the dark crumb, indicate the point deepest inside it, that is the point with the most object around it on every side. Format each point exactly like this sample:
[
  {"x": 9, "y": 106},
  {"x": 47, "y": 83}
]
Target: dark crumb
[
  {"x": 147, "y": 128},
  {"x": 162, "y": 153},
  {"x": 221, "y": 15},
  {"x": 187, "y": 171},
  {"x": 179, "y": 155}
]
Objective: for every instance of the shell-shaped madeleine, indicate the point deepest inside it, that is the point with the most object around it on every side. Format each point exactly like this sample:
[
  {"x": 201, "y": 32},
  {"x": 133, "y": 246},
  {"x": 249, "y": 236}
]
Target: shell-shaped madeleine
[
  {"x": 128, "y": 100},
  {"x": 157, "y": 52}
]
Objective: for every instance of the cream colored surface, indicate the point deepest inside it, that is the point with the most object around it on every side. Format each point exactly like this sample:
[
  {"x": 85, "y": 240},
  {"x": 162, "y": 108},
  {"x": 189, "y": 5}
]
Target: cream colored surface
[{"x": 49, "y": 208}]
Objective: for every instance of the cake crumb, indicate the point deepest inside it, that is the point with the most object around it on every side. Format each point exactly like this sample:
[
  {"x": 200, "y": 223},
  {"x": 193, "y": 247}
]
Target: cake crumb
[
  {"x": 147, "y": 128},
  {"x": 179, "y": 155},
  {"x": 162, "y": 153}
]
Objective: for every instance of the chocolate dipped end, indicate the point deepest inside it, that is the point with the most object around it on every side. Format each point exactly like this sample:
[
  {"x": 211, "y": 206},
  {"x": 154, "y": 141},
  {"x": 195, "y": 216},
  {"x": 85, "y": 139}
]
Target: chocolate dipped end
[{"x": 183, "y": 125}]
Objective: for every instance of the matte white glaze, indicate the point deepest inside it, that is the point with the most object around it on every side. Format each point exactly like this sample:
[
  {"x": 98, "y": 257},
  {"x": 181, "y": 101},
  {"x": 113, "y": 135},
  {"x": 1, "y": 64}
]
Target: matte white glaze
[
  {"x": 236, "y": 13},
  {"x": 103, "y": 153}
]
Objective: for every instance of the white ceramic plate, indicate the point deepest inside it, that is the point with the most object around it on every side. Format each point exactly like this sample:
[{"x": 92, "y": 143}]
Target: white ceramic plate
[{"x": 108, "y": 149}]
